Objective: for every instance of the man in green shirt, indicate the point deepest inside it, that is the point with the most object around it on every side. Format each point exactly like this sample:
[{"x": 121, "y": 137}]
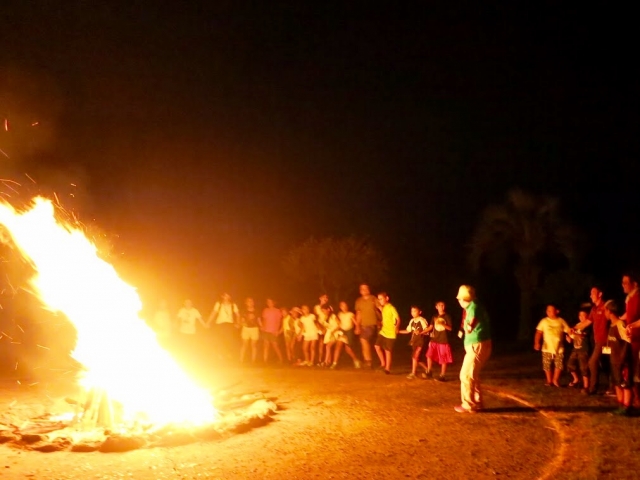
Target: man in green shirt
[
  {"x": 476, "y": 328},
  {"x": 388, "y": 332}
]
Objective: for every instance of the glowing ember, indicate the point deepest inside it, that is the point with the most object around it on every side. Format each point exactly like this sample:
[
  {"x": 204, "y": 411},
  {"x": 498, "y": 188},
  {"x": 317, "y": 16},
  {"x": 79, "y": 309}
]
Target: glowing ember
[{"x": 118, "y": 350}]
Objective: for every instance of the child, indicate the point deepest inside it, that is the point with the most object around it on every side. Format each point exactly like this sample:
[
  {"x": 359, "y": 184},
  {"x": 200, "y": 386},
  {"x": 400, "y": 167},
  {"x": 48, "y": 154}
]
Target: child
[
  {"x": 296, "y": 342},
  {"x": 439, "y": 350},
  {"x": 348, "y": 337},
  {"x": 321, "y": 319},
  {"x": 619, "y": 347},
  {"x": 309, "y": 335},
  {"x": 331, "y": 335},
  {"x": 288, "y": 327},
  {"x": 250, "y": 332},
  {"x": 579, "y": 358},
  {"x": 387, "y": 335},
  {"x": 417, "y": 328},
  {"x": 550, "y": 330}
]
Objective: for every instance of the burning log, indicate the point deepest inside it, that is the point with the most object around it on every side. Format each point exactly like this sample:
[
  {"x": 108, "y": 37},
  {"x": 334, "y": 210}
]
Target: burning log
[{"x": 100, "y": 411}]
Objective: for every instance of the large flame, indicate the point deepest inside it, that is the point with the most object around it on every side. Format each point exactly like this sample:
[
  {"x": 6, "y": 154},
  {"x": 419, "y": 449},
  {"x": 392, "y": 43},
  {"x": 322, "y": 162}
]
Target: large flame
[{"x": 118, "y": 350}]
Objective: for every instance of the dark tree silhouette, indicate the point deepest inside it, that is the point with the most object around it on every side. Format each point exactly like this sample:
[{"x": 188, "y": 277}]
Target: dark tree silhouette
[
  {"x": 522, "y": 233},
  {"x": 335, "y": 265}
]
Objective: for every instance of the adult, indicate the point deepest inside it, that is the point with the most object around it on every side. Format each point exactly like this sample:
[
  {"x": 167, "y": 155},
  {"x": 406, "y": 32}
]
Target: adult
[
  {"x": 477, "y": 345},
  {"x": 367, "y": 318},
  {"x": 225, "y": 317},
  {"x": 250, "y": 333},
  {"x": 188, "y": 319},
  {"x": 598, "y": 320},
  {"x": 271, "y": 326},
  {"x": 162, "y": 323},
  {"x": 632, "y": 319}
]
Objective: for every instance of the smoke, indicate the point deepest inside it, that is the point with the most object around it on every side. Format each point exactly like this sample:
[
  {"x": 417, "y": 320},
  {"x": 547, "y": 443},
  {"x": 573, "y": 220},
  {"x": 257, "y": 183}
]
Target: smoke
[{"x": 30, "y": 111}]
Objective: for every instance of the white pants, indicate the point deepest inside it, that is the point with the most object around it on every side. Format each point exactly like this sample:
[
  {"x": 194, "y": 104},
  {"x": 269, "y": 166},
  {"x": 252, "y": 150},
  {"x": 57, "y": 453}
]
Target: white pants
[{"x": 475, "y": 358}]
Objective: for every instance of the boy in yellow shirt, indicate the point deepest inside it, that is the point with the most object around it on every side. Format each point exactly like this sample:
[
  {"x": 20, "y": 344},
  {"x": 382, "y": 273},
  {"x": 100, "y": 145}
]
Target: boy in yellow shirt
[{"x": 388, "y": 332}]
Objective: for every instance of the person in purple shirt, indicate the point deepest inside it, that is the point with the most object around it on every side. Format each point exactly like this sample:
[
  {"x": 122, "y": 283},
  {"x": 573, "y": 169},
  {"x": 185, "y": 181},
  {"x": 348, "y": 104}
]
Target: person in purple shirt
[{"x": 271, "y": 328}]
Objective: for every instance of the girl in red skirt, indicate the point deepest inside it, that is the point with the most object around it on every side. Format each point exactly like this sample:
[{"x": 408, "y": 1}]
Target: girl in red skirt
[{"x": 439, "y": 350}]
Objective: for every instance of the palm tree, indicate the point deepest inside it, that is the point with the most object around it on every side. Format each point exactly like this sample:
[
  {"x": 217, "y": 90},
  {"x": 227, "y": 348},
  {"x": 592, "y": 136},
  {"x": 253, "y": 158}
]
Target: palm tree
[{"x": 523, "y": 233}]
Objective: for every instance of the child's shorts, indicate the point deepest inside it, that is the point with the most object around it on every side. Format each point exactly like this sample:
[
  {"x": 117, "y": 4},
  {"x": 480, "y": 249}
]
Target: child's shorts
[
  {"x": 250, "y": 333},
  {"x": 621, "y": 375},
  {"x": 416, "y": 341},
  {"x": 368, "y": 333},
  {"x": 579, "y": 361},
  {"x": 440, "y": 353},
  {"x": 549, "y": 358},
  {"x": 385, "y": 343}
]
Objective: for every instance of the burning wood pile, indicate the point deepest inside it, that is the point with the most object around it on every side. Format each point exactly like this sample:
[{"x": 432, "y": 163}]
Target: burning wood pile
[
  {"x": 96, "y": 425},
  {"x": 137, "y": 395}
]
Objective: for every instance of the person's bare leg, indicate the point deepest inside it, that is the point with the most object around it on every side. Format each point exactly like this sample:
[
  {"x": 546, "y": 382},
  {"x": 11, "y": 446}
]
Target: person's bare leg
[
  {"x": 556, "y": 376},
  {"x": 327, "y": 356},
  {"x": 429, "y": 364},
  {"x": 585, "y": 382},
  {"x": 443, "y": 369},
  {"x": 254, "y": 351},
  {"x": 387, "y": 354},
  {"x": 321, "y": 350},
  {"x": 276, "y": 348},
  {"x": 414, "y": 360},
  {"x": 243, "y": 350},
  {"x": 337, "y": 352},
  {"x": 620, "y": 395},
  {"x": 313, "y": 351},
  {"x": 305, "y": 350},
  {"x": 366, "y": 350},
  {"x": 266, "y": 351},
  {"x": 380, "y": 353},
  {"x": 548, "y": 375},
  {"x": 351, "y": 353}
]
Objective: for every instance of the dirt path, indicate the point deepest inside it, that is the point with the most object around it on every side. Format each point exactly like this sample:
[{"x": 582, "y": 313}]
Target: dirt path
[{"x": 334, "y": 424}]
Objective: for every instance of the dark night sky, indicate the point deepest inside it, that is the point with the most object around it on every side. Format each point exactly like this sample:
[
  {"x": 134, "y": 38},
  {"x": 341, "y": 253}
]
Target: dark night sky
[{"x": 212, "y": 137}]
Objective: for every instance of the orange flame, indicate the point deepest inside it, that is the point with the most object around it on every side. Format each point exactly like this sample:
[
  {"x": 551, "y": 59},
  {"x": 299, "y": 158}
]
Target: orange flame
[{"x": 118, "y": 350}]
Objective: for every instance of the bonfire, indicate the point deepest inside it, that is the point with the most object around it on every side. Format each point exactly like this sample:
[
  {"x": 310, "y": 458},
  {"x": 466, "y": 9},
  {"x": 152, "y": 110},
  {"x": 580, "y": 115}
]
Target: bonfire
[{"x": 134, "y": 393}]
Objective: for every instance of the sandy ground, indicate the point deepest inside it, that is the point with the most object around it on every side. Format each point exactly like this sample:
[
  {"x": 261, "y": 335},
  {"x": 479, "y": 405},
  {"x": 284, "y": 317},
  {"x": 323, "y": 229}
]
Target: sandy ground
[{"x": 333, "y": 424}]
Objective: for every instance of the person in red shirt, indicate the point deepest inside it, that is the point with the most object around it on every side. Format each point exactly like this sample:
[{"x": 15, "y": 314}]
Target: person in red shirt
[
  {"x": 271, "y": 328},
  {"x": 598, "y": 320},
  {"x": 632, "y": 319}
]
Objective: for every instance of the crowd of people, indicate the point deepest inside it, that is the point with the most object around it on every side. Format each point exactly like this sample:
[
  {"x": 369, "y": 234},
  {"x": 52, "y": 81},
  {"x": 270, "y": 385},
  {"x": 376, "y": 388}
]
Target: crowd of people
[
  {"x": 307, "y": 336},
  {"x": 603, "y": 341}
]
